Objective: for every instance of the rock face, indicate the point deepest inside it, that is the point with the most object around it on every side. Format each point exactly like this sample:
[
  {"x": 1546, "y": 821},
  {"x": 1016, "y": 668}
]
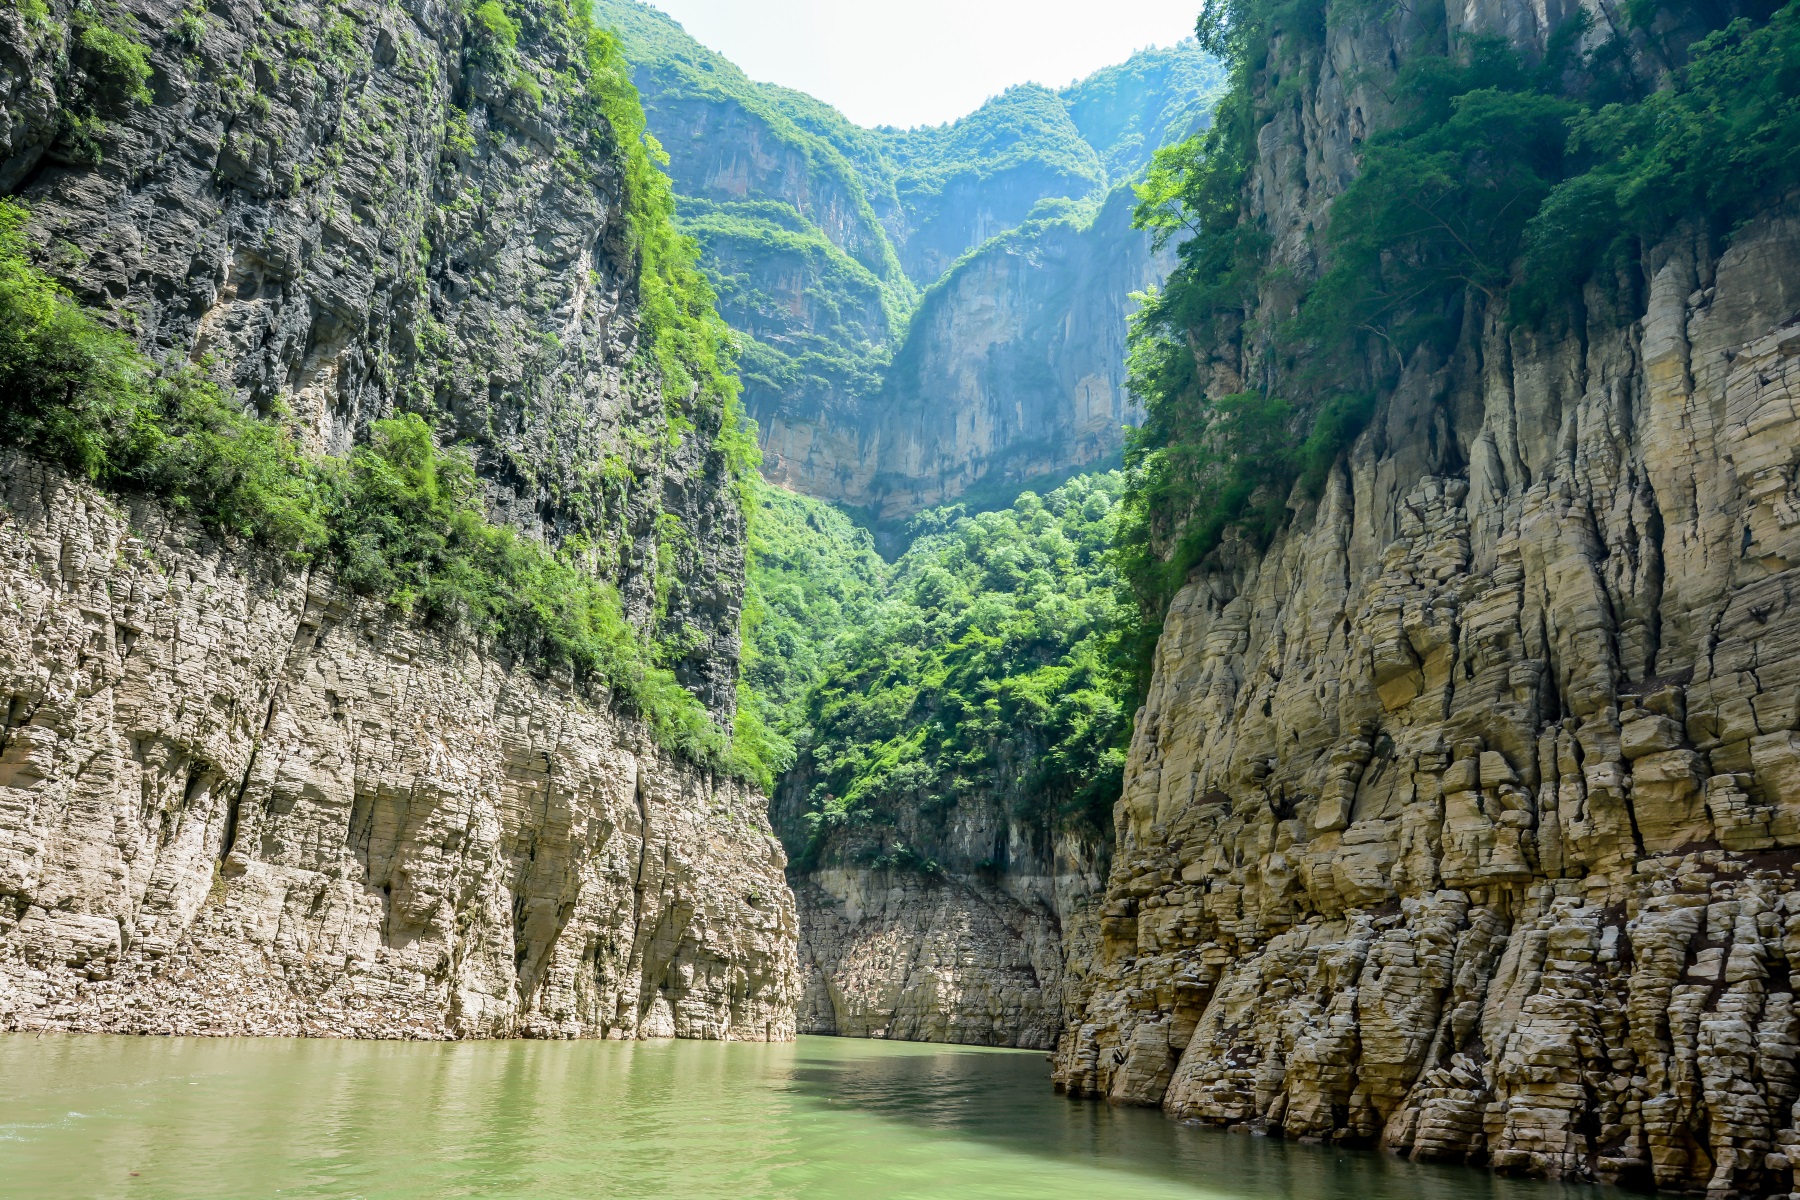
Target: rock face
[
  {"x": 960, "y": 954},
  {"x": 819, "y": 235},
  {"x": 1013, "y": 369},
  {"x": 1465, "y": 820},
  {"x": 351, "y": 208},
  {"x": 236, "y": 800}
]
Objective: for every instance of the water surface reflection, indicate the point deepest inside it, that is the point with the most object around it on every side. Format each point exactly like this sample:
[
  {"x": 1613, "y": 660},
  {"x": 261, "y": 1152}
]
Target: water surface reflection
[{"x": 825, "y": 1119}]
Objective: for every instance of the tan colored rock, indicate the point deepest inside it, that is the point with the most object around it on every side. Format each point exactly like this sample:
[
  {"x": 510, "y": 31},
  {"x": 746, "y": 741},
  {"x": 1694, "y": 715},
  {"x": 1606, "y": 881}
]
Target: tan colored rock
[
  {"x": 896, "y": 954},
  {"x": 234, "y": 799},
  {"x": 1508, "y": 740}
]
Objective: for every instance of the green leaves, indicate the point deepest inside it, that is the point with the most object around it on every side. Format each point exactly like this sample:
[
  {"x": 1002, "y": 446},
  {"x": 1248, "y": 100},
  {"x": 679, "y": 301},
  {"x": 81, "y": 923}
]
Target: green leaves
[
  {"x": 1493, "y": 188},
  {"x": 991, "y": 665},
  {"x": 400, "y": 521},
  {"x": 1722, "y": 138},
  {"x": 812, "y": 577},
  {"x": 1440, "y": 209},
  {"x": 116, "y": 64}
]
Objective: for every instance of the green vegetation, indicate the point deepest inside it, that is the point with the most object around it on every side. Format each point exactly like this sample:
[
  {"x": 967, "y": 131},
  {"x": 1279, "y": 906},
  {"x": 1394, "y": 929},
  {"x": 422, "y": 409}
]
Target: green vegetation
[
  {"x": 692, "y": 346},
  {"x": 1126, "y": 112},
  {"x": 987, "y": 666},
  {"x": 798, "y": 286},
  {"x": 1024, "y": 127},
  {"x": 1494, "y": 186},
  {"x": 839, "y": 156},
  {"x": 832, "y": 339},
  {"x": 813, "y": 577},
  {"x": 400, "y": 520},
  {"x": 112, "y": 72},
  {"x": 824, "y": 321}
]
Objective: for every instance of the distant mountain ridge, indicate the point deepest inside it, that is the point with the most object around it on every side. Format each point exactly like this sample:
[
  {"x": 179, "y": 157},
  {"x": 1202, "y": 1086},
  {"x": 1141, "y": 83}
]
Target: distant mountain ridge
[{"x": 822, "y": 237}]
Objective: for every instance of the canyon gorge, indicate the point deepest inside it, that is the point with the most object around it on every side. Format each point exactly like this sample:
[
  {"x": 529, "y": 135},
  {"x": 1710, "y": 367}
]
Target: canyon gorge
[{"x": 1272, "y": 577}]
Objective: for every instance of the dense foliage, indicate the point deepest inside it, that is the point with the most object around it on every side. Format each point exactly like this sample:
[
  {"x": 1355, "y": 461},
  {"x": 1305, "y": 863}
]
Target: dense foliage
[
  {"x": 1154, "y": 98},
  {"x": 833, "y": 339},
  {"x": 1024, "y": 126},
  {"x": 839, "y": 317},
  {"x": 1494, "y": 185},
  {"x": 988, "y": 666},
  {"x": 813, "y": 577}
]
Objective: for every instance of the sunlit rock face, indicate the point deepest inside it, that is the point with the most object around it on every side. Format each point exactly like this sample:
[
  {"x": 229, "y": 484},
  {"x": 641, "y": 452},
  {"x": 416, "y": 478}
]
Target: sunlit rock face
[
  {"x": 1464, "y": 820},
  {"x": 235, "y": 798}
]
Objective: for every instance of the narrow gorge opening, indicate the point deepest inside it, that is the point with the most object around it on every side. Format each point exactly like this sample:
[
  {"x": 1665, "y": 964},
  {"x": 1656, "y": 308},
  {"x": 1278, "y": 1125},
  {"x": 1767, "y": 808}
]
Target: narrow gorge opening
[{"x": 1264, "y": 572}]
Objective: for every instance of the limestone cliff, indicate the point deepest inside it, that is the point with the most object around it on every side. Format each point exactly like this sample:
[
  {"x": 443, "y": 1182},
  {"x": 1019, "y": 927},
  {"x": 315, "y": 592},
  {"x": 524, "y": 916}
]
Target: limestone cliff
[
  {"x": 820, "y": 233},
  {"x": 1462, "y": 819},
  {"x": 970, "y": 952},
  {"x": 1013, "y": 369},
  {"x": 351, "y": 208},
  {"x": 237, "y": 800},
  {"x": 235, "y": 797}
]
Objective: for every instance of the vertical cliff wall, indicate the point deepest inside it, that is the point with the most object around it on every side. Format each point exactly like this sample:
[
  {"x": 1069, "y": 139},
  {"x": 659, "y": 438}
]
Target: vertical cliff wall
[
  {"x": 351, "y": 208},
  {"x": 236, "y": 797},
  {"x": 820, "y": 235},
  {"x": 238, "y": 800},
  {"x": 1461, "y": 819}
]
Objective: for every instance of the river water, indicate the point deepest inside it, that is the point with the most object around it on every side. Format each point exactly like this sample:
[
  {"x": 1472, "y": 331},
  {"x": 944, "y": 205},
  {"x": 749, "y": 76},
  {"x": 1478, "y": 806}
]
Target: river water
[{"x": 823, "y": 1119}]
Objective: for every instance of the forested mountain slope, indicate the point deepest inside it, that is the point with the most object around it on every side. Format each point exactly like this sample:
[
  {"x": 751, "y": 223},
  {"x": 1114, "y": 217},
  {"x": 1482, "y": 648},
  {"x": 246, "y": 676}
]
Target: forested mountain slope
[{"x": 821, "y": 236}]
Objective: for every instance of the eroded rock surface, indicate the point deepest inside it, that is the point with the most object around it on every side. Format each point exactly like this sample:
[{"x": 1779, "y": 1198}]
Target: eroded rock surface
[
  {"x": 234, "y": 799},
  {"x": 893, "y": 954},
  {"x": 1465, "y": 820}
]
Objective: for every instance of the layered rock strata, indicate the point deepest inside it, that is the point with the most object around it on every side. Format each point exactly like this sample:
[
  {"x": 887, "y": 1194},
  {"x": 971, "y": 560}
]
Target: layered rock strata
[
  {"x": 236, "y": 800},
  {"x": 1465, "y": 820},
  {"x": 345, "y": 209},
  {"x": 963, "y": 959}
]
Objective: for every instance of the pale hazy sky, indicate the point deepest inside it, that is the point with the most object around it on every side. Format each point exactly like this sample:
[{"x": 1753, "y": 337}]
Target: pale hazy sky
[{"x": 916, "y": 62}]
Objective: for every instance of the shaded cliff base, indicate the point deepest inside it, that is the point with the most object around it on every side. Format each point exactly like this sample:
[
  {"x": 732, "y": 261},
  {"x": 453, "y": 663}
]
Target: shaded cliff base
[
  {"x": 235, "y": 800},
  {"x": 892, "y": 953}
]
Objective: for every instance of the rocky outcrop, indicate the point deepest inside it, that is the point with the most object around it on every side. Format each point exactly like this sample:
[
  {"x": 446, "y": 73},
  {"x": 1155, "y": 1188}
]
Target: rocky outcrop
[
  {"x": 349, "y": 209},
  {"x": 236, "y": 800},
  {"x": 1462, "y": 821},
  {"x": 927, "y": 958},
  {"x": 1013, "y": 369},
  {"x": 975, "y": 954}
]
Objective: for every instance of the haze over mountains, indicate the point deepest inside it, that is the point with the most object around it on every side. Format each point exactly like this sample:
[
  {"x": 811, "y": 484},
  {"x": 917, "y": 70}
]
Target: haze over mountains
[{"x": 922, "y": 311}]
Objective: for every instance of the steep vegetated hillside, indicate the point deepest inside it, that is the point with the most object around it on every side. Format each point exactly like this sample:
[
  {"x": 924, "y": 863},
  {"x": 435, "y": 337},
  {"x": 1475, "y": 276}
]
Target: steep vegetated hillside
[
  {"x": 1460, "y": 814},
  {"x": 960, "y": 758},
  {"x": 814, "y": 578},
  {"x": 820, "y": 235},
  {"x": 373, "y": 539}
]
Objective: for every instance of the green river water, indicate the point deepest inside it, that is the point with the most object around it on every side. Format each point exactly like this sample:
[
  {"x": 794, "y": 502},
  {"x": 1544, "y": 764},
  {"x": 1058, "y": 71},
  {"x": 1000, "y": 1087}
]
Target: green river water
[{"x": 823, "y": 1119}]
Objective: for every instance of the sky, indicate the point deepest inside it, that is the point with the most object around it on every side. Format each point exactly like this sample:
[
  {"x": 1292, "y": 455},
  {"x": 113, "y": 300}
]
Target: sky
[{"x": 924, "y": 62}]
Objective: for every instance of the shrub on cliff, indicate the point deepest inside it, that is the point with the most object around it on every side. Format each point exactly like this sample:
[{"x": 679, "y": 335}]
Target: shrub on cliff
[
  {"x": 400, "y": 520},
  {"x": 1494, "y": 187}
]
